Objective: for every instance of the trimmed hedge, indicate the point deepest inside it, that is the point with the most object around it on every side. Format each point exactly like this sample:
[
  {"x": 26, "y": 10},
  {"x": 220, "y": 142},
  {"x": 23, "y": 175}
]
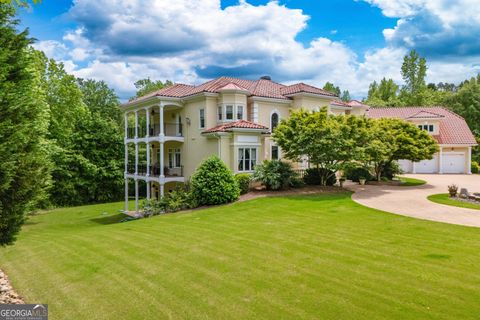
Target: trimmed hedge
[{"x": 214, "y": 183}]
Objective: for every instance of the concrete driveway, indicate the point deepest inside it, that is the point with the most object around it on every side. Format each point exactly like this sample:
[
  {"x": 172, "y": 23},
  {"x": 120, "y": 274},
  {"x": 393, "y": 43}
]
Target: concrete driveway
[{"x": 413, "y": 202}]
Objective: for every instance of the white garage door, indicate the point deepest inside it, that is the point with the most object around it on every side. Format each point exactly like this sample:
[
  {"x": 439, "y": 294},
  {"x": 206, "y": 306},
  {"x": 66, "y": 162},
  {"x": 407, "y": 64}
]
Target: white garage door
[
  {"x": 405, "y": 165},
  {"x": 427, "y": 166},
  {"x": 453, "y": 163}
]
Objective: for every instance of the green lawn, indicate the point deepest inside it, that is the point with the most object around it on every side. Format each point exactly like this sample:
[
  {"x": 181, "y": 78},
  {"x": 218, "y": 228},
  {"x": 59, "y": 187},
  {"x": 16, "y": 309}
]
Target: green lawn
[
  {"x": 305, "y": 257},
  {"x": 444, "y": 198},
  {"x": 411, "y": 182}
]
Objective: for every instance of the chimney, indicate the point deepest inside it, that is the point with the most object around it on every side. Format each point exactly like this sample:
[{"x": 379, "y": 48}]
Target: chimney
[{"x": 265, "y": 78}]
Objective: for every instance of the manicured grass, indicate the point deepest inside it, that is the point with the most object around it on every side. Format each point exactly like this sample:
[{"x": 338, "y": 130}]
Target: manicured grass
[
  {"x": 411, "y": 182},
  {"x": 444, "y": 198},
  {"x": 303, "y": 257}
]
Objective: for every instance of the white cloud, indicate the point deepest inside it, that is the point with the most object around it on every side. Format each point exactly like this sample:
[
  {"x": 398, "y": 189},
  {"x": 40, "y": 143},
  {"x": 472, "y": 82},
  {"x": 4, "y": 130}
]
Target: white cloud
[{"x": 192, "y": 41}]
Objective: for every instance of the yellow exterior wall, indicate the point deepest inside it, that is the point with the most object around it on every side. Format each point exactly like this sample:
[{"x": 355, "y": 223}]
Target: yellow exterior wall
[{"x": 310, "y": 103}]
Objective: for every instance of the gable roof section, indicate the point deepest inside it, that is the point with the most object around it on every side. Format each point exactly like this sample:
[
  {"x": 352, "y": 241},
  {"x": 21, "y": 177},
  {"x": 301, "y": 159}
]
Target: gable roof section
[
  {"x": 304, "y": 88},
  {"x": 259, "y": 88},
  {"x": 241, "y": 124},
  {"x": 425, "y": 115},
  {"x": 453, "y": 128}
]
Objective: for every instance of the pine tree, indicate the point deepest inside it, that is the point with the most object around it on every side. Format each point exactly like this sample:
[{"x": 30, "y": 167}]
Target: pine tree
[{"x": 24, "y": 165}]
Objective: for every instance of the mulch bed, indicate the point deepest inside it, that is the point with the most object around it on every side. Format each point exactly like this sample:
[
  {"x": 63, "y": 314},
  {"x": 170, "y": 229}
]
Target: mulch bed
[
  {"x": 7, "y": 294},
  {"x": 307, "y": 190}
]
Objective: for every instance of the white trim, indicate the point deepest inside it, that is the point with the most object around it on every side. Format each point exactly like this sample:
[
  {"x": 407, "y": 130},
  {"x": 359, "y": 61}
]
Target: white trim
[
  {"x": 314, "y": 95},
  {"x": 469, "y": 160},
  {"x": 270, "y": 119},
  {"x": 200, "y": 118},
  {"x": 265, "y": 99}
]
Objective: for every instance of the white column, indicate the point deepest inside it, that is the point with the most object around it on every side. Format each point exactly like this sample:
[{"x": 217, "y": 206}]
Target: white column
[
  {"x": 136, "y": 158},
  {"x": 126, "y": 195},
  {"x": 469, "y": 161},
  {"x": 148, "y": 190},
  {"x": 413, "y": 167},
  {"x": 162, "y": 189},
  {"x": 148, "y": 159},
  {"x": 161, "y": 162},
  {"x": 147, "y": 114},
  {"x": 136, "y": 124},
  {"x": 126, "y": 125},
  {"x": 162, "y": 129},
  {"x": 136, "y": 195},
  {"x": 440, "y": 161},
  {"x": 126, "y": 158}
]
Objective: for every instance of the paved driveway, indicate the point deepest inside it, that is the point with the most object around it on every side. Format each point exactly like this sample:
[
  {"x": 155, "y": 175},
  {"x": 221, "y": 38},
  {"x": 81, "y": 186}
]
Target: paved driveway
[{"x": 412, "y": 201}]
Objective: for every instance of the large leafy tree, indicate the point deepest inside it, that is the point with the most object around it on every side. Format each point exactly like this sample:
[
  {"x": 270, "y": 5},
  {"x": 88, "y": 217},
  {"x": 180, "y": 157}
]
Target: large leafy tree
[
  {"x": 330, "y": 87},
  {"x": 389, "y": 140},
  {"x": 24, "y": 170},
  {"x": 383, "y": 94},
  {"x": 329, "y": 142},
  {"x": 146, "y": 86}
]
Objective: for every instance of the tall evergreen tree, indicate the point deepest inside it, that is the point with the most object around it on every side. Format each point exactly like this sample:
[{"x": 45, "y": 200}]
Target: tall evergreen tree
[
  {"x": 24, "y": 171},
  {"x": 330, "y": 87},
  {"x": 145, "y": 86}
]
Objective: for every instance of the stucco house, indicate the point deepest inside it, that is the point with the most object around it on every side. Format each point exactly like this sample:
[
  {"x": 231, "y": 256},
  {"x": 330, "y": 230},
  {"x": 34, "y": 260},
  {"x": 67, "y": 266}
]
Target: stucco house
[{"x": 172, "y": 130}]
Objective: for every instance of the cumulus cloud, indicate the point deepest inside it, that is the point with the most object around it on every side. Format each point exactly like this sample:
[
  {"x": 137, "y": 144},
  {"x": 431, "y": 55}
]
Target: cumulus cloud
[{"x": 192, "y": 41}]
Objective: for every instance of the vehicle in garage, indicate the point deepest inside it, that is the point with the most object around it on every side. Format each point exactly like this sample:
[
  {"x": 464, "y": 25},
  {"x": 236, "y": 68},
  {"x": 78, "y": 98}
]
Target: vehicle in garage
[{"x": 449, "y": 129}]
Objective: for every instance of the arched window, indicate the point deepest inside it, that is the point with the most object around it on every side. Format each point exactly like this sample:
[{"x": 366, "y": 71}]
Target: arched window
[{"x": 273, "y": 121}]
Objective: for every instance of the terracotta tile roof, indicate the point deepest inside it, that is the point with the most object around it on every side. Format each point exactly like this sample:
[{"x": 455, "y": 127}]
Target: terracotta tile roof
[
  {"x": 241, "y": 124},
  {"x": 356, "y": 103},
  {"x": 425, "y": 114},
  {"x": 302, "y": 87},
  {"x": 340, "y": 103},
  {"x": 453, "y": 128},
  {"x": 260, "y": 88}
]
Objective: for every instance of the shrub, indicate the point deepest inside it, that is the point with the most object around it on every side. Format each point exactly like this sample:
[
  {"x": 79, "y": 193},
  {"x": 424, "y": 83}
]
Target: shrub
[
  {"x": 315, "y": 176},
  {"x": 354, "y": 174},
  {"x": 391, "y": 170},
  {"x": 179, "y": 199},
  {"x": 243, "y": 180},
  {"x": 274, "y": 174},
  {"x": 475, "y": 167},
  {"x": 452, "y": 190},
  {"x": 214, "y": 183},
  {"x": 296, "y": 182}
]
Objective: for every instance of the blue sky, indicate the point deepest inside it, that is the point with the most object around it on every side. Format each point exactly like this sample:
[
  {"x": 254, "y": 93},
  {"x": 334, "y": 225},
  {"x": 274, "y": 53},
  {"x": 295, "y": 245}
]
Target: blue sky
[{"x": 349, "y": 42}]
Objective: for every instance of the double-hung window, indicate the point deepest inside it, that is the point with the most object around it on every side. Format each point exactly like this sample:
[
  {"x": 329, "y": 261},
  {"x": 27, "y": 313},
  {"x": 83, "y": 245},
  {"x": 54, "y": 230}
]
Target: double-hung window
[
  {"x": 247, "y": 159},
  {"x": 274, "y": 153},
  {"x": 229, "y": 112},
  {"x": 239, "y": 112},
  {"x": 220, "y": 113},
  {"x": 174, "y": 158},
  {"x": 202, "y": 118},
  {"x": 426, "y": 127}
]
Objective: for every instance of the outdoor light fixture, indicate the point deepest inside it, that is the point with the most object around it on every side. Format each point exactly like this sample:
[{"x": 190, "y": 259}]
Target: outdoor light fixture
[{"x": 187, "y": 120}]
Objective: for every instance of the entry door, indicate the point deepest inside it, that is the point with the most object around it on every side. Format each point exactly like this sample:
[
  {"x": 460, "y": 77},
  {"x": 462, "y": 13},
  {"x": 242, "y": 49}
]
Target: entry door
[{"x": 453, "y": 163}]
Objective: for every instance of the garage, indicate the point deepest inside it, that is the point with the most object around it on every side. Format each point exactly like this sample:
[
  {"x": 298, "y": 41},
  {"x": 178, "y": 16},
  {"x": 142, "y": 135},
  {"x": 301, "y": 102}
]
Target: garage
[
  {"x": 405, "y": 165},
  {"x": 427, "y": 166},
  {"x": 453, "y": 162}
]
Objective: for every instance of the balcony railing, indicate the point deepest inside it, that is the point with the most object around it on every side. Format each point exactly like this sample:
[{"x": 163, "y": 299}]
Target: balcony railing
[
  {"x": 170, "y": 129},
  {"x": 155, "y": 170}
]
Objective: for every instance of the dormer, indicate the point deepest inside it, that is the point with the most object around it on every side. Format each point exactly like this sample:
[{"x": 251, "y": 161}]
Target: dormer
[
  {"x": 232, "y": 103},
  {"x": 427, "y": 121}
]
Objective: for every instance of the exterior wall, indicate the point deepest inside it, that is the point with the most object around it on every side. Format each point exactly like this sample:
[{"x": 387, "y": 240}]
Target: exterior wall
[
  {"x": 435, "y": 123},
  {"x": 196, "y": 146},
  {"x": 358, "y": 111},
  {"x": 310, "y": 103}
]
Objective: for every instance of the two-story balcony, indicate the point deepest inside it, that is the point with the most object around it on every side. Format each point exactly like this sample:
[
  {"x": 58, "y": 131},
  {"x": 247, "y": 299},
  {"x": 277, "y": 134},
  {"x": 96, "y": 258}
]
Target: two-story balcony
[
  {"x": 172, "y": 131},
  {"x": 154, "y": 171}
]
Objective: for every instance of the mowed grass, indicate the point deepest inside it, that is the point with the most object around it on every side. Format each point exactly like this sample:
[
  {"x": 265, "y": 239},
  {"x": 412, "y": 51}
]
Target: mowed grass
[
  {"x": 444, "y": 198},
  {"x": 411, "y": 182},
  {"x": 302, "y": 257}
]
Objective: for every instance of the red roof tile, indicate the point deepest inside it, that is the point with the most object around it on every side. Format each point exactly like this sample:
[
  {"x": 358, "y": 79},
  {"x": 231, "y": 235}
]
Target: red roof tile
[
  {"x": 340, "y": 103},
  {"x": 302, "y": 87},
  {"x": 241, "y": 124},
  {"x": 425, "y": 114},
  {"x": 356, "y": 103},
  {"x": 453, "y": 128},
  {"x": 260, "y": 88}
]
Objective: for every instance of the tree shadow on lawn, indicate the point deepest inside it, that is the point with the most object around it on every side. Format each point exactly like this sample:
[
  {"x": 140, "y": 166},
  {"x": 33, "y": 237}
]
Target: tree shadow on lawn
[{"x": 116, "y": 218}]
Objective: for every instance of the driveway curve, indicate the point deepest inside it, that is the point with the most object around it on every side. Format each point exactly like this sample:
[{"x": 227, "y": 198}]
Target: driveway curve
[{"x": 413, "y": 202}]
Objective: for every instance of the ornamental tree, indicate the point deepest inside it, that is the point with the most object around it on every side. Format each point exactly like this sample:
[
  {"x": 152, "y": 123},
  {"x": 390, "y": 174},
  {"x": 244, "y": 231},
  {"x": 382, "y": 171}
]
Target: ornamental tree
[
  {"x": 395, "y": 139},
  {"x": 329, "y": 142}
]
